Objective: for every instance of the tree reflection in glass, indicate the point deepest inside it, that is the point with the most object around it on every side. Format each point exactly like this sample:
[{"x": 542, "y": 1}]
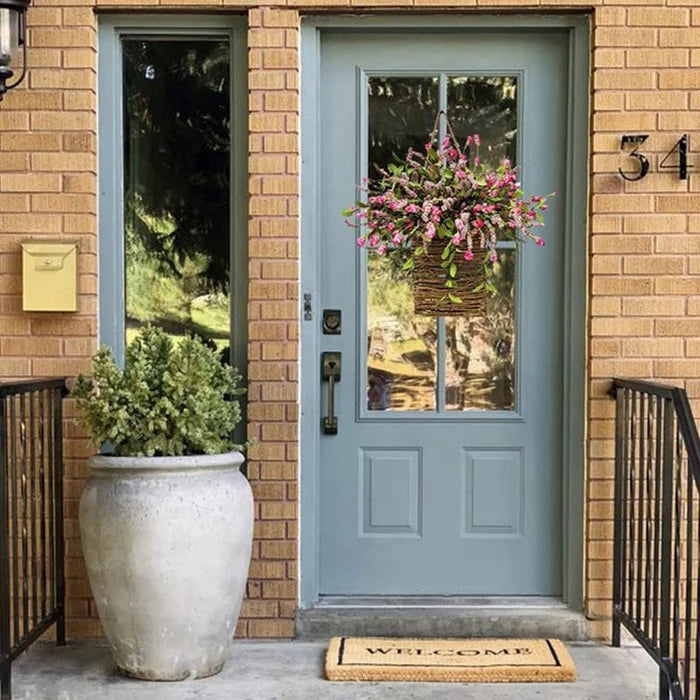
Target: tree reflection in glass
[
  {"x": 480, "y": 352},
  {"x": 176, "y": 186},
  {"x": 401, "y": 347}
]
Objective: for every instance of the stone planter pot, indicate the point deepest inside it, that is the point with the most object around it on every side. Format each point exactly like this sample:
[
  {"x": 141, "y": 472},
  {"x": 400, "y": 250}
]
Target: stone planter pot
[{"x": 167, "y": 544}]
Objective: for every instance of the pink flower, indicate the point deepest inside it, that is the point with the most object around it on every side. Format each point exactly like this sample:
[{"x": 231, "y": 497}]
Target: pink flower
[
  {"x": 477, "y": 140},
  {"x": 468, "y": 255},
  {"x": 381, "y": 250},
  {"x": 470, "y": 140},
  {"x": 373, "y": 240},
  {"x": 506, "y": 163},
  {"x": 397, "y": 238},
  {"x": 477, "y": 161},
  {"x": 445, "y": 142},
  {"x": 452, "y": 152},
  {"x": 412, "y": 209},
  {"x": 361, "y": 241},
  {"x": 539, "y": 241},
  {"x": 461, "y": 174},
  {"x": 456, "y": 239},
  {"x": 479, "y": 223},
  {"x": 430, "y": 231},
  {"x": 494, "y": 256}
]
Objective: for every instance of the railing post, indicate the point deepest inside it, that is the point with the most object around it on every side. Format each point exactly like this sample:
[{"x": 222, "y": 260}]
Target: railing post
[
  {"x": 5, "y": 671},
  {"x": 618, "y": 525},
  {"x": 666, "y": 535},
  {"x": 59, "y": 564}
]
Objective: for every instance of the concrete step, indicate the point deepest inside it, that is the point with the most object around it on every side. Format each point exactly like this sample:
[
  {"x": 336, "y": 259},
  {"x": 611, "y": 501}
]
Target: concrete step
[{"x": 441, "y": 616}]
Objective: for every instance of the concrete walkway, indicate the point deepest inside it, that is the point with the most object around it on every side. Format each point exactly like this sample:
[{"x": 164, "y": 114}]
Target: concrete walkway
[{"x": 293, "y": 671}]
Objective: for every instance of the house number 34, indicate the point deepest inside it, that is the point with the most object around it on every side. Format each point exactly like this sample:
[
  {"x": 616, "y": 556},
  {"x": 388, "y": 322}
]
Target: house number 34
[{"x": 678, "y": 157}]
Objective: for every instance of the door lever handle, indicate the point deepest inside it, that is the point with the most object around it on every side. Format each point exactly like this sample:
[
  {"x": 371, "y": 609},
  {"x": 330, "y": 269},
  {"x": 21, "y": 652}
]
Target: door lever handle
[{"x": 330, "y": 372}]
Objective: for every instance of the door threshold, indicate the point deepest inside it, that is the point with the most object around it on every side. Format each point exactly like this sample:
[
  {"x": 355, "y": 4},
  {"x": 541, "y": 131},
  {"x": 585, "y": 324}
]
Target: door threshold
[
  {"x": 440, "y": 601},
  {"x": 441, "y": 616}
]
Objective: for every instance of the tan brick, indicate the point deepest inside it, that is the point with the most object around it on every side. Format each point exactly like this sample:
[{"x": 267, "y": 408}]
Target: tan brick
[
  {"x": 654, "y": 265},
  {"x": 676, "y": 368},
  {"x": 678, "y": 327},
  {"x": 677, "y": 285},
  {"x": 30, "y": 182},
  {"x": 627, "y": 80},
  {"x": 62, "y": 121},
  {"x": 622, "y": 285},
  {"x": 675, "y": 204},
  {"x": 605, "y": 348},
  {"x": 655, "y": 223},
  {"x": 622, "y": 327},
  {"x": 653, "y": 307},
  {"x": 275, "y": 629},
  {"x": 622, "y": 244},
  {"x": 653, "y": 58},
  {"x": 657, "y": 17},
  {"x": 679, "y": 79},
  {"x": 627, "y": 203},
  {"x": 680, "y": 37},
  {"x": 653, "y": 347},
  {"x": 609, "y": 58},
  {"x": 678, "y": 244},
  {"x": 657, "y": 100},
  {"x": 624, "y": 36},
  {"x": 620, "y": 121}
]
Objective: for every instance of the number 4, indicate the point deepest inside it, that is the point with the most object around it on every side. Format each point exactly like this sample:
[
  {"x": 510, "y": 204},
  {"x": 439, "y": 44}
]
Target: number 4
[{"x": 682, "y": 164}]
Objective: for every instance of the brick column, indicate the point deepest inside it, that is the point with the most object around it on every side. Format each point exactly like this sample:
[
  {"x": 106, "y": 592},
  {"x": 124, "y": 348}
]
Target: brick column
[{"x": 273, "y": 348}]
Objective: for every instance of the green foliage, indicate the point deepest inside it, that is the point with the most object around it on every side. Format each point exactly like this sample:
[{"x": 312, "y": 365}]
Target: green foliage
[{"x": 170, "y": 399}]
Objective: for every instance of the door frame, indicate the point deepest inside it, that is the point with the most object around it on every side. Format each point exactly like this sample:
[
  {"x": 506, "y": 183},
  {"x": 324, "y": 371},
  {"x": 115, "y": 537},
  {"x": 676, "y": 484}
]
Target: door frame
[{"x": 575, "y": 274}]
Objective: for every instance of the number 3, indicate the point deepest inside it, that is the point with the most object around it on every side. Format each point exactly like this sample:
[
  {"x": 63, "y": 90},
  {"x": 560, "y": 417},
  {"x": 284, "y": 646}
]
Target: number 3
[{"x": 636, "y": 141}]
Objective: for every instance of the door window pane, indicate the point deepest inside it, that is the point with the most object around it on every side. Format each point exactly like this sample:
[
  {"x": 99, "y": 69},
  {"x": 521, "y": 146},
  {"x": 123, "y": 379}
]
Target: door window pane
[
  {"x": 485, "y": 105},
  {"x": 401, "y": 347},
  {"x": 177, "y": 186},
  {"x": 480, "y": 351}
]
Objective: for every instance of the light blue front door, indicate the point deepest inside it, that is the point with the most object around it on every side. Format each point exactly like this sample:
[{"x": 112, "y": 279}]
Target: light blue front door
[{"x": 445, "y": 475}]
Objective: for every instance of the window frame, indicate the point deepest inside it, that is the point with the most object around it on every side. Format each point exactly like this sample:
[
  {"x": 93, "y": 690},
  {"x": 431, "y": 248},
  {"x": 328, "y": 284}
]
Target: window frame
[{"x": 111, "y": 291}]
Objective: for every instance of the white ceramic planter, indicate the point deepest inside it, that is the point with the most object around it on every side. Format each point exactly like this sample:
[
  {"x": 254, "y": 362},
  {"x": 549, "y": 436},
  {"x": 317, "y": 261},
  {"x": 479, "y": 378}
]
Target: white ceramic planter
[{"x": 167, "y": 543}]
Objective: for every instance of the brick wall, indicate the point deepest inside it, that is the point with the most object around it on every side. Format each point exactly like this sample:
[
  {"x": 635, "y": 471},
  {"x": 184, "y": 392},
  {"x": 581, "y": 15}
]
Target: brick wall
[{"x": 644, "y": 304}]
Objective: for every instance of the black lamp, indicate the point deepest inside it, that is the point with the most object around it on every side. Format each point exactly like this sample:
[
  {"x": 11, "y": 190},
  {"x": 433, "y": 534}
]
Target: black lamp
[{"x": 13, "y": 34}]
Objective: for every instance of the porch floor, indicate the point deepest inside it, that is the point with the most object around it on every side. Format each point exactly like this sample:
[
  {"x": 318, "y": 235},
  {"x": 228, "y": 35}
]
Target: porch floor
[{"x": 268, "y": 670}]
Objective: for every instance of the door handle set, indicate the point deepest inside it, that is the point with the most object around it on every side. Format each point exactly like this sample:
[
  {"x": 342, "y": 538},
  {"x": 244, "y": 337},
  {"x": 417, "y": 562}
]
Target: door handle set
[{"x": 330, "y": 372}]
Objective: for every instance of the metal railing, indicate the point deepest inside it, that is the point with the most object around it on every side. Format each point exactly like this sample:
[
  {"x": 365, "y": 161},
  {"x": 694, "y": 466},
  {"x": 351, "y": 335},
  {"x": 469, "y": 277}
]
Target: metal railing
[
  {"x": 656, "y": 555},
  {"x": 32, "y": 580}
]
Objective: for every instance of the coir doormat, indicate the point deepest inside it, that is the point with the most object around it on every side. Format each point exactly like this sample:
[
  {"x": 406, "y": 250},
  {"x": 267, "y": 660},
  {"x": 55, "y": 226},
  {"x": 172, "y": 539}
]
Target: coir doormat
[{"x": 449, "y": 660}]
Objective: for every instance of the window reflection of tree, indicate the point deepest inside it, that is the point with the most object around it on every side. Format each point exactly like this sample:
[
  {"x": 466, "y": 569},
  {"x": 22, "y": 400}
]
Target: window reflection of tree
[
  {"x": 176, "y": 184},
  {"x": 486, "y": 106},
  {"x": 481, "y": 351},
  {"x": 400, "y": 345}
]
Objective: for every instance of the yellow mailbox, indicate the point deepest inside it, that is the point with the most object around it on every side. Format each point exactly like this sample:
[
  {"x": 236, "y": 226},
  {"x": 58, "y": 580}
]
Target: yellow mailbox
[{"x": 49, "y": 276}]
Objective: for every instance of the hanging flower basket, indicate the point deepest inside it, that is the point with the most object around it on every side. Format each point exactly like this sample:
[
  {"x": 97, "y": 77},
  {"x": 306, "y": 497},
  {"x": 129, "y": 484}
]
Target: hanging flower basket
[
  {"x": 441, "y": 215},
  {"x": 429, "y": 277}
]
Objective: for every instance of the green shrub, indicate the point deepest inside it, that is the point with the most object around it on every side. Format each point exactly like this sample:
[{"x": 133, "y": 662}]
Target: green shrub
[{"x": 170, "y": 399}]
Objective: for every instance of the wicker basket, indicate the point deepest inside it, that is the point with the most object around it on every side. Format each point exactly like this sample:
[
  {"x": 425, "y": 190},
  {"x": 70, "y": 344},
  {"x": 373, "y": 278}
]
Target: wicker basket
[{"x": 429, "y": 291}]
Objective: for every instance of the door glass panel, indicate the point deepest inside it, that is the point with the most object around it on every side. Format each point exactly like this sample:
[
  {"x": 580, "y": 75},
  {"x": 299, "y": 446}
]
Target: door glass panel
[
  {"x": 486, "y": 106},
  {"x": 480, "y": 351},
  {"x": 401, "y": 347},
  {"x": 177, "y": 186}
]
